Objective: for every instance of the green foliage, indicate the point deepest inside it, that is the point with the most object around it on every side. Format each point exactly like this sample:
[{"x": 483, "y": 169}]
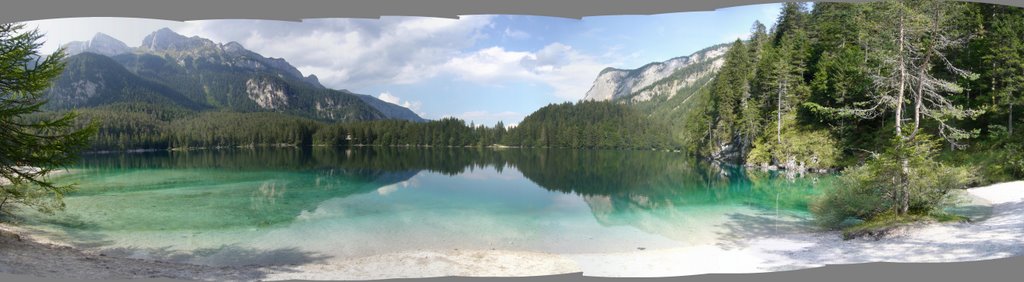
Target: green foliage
[
  {"x": 760, "y": 82},
  {"x": 879, "y": 224},
  {"x": 446, "y": 132},
  {"x": 869, "y": 191},
  {"x": 814, "y": 148},
  {"x": 997, "y": 158},
  {"x": 829, "y": 65},
  {"x": 226, "y": 129},
  {"x": 590, "y": 124},
  {"x": 1005, "y": 76},
  {"x": 32, "y": 148}
]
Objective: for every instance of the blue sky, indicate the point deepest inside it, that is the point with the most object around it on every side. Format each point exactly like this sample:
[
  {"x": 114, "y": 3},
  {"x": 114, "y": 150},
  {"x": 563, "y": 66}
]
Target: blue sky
[{"x": 482, "y": 68}]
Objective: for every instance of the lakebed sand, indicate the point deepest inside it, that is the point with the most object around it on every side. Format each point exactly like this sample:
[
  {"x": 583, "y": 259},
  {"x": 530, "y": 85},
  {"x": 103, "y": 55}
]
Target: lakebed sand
[{"x": 748, "y": 249}]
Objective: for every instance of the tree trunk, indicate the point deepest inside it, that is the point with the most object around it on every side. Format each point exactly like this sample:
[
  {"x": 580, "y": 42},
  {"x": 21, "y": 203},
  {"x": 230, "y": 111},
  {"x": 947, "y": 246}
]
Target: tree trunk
[
  {"x": 901, "y": 83},
  {"x": 921, "y": 73},
  {"x": 1010, "y": 126},
  {"x": 778, "y": 111},
  {"x": 904, "y": 186},
  {"x": 711, "y": 139},
  {"x": 901, "y": 185}
]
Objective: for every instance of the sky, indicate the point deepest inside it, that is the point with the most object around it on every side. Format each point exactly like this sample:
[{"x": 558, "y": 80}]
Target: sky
[{"x": 481, "y": 68}]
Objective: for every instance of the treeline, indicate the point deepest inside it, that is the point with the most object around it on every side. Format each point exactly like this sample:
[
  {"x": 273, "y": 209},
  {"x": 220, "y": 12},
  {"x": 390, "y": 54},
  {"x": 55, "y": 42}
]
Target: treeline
[
  {"x": 591, "y": 124},
  {"x": 444, "y": 132},
  {"x": 137, "y": 126},
  {"x": 836, "y": 84}
]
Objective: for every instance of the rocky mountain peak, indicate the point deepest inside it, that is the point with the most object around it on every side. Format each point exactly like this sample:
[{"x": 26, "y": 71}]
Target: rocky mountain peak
[
  {"x": 166, "y": 39},
  {"x": 315, "y": 81},
  {"x": 233, "y": 47},
  {"x": 655, "y": 78},
  {"x": 269, "y": 83},
  {"x": 100, "y": 44}
]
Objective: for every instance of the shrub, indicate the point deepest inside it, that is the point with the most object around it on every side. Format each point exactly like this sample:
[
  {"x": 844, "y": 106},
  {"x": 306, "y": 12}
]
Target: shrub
[
  {"x": 1007, "y": 151},
  {"x": 868, "y": 191},
  {"x": 860, "y": 193},
  {"x": 999, "y": 157}
]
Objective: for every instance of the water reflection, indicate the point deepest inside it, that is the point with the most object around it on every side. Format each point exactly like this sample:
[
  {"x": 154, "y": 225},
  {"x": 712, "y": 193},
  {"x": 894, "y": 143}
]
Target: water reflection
[{"x": 265, "y": 187}]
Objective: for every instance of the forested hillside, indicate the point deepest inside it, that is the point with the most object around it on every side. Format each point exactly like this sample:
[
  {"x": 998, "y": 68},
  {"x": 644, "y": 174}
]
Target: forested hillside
[
  {"x": 93, "y": 80},
  {"x": 591, "y": 124},
  {"x": 832, "y": 85}
]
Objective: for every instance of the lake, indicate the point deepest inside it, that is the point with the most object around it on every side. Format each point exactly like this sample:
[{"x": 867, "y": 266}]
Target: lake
[{"x": 289, "y": 206}]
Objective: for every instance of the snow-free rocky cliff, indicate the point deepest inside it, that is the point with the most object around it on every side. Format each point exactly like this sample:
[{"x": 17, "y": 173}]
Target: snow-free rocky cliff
[{"x": 655, "y": 79}]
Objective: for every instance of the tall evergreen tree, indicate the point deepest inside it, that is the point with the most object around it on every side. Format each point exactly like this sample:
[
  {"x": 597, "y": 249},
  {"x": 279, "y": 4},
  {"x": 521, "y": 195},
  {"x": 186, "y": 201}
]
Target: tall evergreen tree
[
  {"x": 1005, "y": 57},
  {"x": 30, "y": 149},
  {"x": 729, "y": 93}
]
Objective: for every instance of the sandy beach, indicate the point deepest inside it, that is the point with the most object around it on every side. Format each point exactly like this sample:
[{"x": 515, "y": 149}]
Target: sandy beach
[{"x": 747, "y": 250}]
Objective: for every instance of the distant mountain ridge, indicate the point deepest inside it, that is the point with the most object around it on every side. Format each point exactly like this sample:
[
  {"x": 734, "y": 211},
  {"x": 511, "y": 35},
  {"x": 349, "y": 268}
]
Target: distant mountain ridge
[
  {"x": 197, "y": 73},
  {"x": 657, "y": 78}
]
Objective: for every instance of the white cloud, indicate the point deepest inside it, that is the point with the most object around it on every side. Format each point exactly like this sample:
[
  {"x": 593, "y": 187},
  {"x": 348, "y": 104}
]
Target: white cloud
[
  {"x": 566, "y": 70},
  {"x": 411, "y": 105},
  {"x": 402, "y": 50},
  {"x": 388, "y": 189},
  {"x": 353, "y": 53},
  {"x": 488, "y": 65},
  {"x": 387, "y": 97},
  {"x": 516, "y": 34},
  {"x": 359, "y": 53},
  {"x": 61, "y": 31}
]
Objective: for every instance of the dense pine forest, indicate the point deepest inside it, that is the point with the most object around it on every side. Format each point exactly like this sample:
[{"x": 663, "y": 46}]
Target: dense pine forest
[
  {"x": 839, "y": 83},
  {"x": 913, "y": 98}
]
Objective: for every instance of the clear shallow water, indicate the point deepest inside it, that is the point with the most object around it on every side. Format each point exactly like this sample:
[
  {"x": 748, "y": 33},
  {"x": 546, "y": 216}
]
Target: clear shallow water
[{"x": 287, "y": 206}]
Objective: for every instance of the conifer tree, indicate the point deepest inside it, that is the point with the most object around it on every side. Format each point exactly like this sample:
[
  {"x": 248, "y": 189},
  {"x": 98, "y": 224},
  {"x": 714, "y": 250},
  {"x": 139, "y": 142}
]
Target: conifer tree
[{"x": 30, "y": 149}]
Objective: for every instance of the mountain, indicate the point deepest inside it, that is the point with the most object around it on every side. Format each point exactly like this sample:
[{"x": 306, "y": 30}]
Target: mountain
[
  {"x": 166, "y": 41},
  {"x": 197, "y": 73},
  {"x": 100, "y": 44},
  {"x": 91, "y": 80},
  {"x": 658, "y": 78},
  {"x": 644, "y": 108}
]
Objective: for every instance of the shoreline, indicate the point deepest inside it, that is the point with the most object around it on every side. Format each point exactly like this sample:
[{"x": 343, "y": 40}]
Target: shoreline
[
  {"x": 55, "y": 172},
  {"x": 998, "y": 235}
]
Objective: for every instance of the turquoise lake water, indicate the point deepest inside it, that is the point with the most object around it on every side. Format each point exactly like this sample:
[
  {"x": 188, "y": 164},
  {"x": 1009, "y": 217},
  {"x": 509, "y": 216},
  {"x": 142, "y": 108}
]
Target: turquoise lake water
[{"x": 289, "y": 206}]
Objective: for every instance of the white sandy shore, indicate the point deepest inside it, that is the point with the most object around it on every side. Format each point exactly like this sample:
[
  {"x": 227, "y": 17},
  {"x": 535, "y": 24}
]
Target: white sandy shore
[
  {"x": 750, "y": 250},
  {"x": 999, "y": 236}
]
